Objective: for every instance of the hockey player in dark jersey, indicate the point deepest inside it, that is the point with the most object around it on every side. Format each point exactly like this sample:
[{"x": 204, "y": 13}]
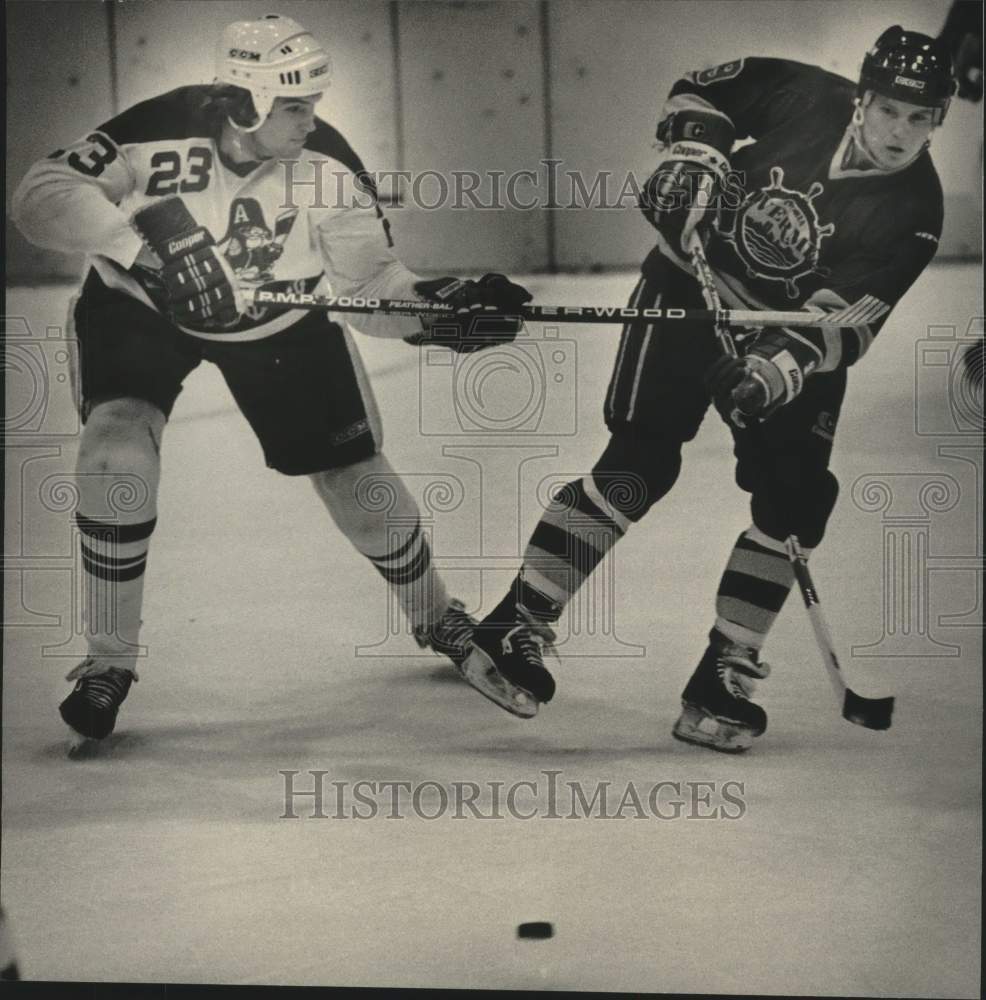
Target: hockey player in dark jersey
[
  {"x": 202, "y": 173},
  {"x": 834, "y": 205}
]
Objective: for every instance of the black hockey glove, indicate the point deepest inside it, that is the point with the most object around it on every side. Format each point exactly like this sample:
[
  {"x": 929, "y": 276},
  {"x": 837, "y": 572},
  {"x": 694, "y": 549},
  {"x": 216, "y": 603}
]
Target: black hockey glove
[
  {"x": 772, "y": 374},
  {"x": 200, "y": 285},
  {"x": 487, "y": 312},
  {"x": 681, "y": 196}
]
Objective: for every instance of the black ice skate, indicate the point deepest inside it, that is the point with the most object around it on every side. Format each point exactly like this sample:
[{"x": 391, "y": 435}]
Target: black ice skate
[
  {"x": 506, "y": 663},
  {"x": 451, "y": 635},
  {"x": 90, "y": 710},
  {"x": 716, "y": 707}
]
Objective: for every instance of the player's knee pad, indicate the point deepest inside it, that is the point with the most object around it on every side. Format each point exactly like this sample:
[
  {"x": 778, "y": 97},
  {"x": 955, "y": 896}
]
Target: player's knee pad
[
  {"x": 125, "y": 415},
  {"x": 635, "y": 472},
  {"x": 121, "y": 433},
  {"x": 795, "y": 501}
]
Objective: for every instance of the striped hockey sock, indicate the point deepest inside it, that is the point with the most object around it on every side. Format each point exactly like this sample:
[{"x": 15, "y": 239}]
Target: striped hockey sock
[
  {"x": 114, "y": 557},
  {"x": 574, "y": 533},
  {"x": 412, "y": 578},
  {"x": 753, "y": 588}
]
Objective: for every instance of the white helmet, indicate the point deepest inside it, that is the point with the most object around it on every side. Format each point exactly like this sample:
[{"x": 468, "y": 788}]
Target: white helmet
[{"x": 272, "y": 57}]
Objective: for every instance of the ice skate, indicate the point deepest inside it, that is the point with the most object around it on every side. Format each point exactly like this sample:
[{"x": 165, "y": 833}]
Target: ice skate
[
  {"x": 716, "y": 707},
  {"x": 506, "y": 664},
  {"x": 451, "y": 635},
  {"x": 90, "y": 710}
]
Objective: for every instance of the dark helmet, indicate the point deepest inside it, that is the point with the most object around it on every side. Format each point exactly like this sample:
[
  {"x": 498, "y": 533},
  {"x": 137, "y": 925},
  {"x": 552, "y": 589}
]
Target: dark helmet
[{"x": 910, "y": 67}]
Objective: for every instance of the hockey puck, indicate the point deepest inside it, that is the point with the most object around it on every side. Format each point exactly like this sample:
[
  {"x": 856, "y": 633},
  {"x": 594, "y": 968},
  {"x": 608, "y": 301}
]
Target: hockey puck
[{"x": 536, "y": 929}]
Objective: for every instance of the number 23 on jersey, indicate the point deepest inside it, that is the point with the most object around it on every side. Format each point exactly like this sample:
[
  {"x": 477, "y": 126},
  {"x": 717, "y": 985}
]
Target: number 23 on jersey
[{"x": 166, "y": 164}]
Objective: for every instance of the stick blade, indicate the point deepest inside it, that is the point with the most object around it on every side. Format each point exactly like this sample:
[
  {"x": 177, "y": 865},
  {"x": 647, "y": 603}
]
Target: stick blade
[{"x": 873, "y": 713}]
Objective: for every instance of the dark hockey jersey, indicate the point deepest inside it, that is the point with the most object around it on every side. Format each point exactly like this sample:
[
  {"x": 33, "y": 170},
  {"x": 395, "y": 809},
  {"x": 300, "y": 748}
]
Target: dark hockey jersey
[
  {"x": 798, "y": 222},
  {"x": 313, "y": 224}
]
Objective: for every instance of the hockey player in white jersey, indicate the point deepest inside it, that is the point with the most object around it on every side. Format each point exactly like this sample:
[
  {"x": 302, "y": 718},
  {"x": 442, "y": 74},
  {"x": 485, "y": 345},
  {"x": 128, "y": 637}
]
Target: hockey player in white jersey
[{"x": 179, "y": 202}]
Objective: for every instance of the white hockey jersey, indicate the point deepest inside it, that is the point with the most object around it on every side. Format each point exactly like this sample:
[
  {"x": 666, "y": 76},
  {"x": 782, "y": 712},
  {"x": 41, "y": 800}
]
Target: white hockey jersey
[{"x": 307, "y": 225}]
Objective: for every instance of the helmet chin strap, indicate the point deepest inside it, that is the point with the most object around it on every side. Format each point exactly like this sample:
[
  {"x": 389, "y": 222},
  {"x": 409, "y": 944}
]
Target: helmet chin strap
[
  {"x": 239, "y": 134},
  {"x": 245, "y": 128},
  {"x": 857, "y": 110},
  {"x": 856, "y": 128}
]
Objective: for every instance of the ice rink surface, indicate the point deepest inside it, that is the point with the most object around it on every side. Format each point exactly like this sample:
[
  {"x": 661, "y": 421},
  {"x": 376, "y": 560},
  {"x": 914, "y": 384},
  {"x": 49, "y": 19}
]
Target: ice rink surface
[{"x": 854, "y": 868}]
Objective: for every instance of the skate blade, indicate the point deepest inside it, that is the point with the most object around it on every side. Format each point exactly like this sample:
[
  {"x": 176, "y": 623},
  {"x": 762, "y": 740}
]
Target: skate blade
[
  {"x": 79, "y": 747},
  {"x": 478, "y": 671},
  {"x": 697, "y": 726}
]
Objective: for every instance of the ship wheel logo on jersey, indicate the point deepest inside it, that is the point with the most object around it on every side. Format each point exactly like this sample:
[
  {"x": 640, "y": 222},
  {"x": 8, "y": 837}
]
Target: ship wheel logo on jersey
[
  {"x": 777, "y": 233},
  {"x": 250, "y": 246}
]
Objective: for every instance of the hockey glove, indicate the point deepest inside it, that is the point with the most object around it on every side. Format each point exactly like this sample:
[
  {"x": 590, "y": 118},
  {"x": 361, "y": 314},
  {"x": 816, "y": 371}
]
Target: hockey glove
[
  {"x": 681, "y": 196},
  {"x": 772, "y": 374},
  {"x": 200, "y": 285},
  {"x": 487, "y": 312}
]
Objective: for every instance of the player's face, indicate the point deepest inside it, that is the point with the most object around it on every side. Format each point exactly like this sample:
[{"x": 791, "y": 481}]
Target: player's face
[
  {"x": 289, "y": 123},
  {"x": 894, "y": 131}
]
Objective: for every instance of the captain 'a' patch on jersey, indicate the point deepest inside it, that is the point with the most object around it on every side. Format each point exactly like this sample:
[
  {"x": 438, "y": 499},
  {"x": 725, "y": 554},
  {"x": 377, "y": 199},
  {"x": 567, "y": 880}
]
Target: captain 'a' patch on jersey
[{"x": 250, "y": 245}]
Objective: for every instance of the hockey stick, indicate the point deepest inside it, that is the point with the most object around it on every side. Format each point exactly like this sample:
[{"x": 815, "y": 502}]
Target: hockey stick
[
  {"x": 541, "y": 314},
  {"x": 873, "y": 713}
]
